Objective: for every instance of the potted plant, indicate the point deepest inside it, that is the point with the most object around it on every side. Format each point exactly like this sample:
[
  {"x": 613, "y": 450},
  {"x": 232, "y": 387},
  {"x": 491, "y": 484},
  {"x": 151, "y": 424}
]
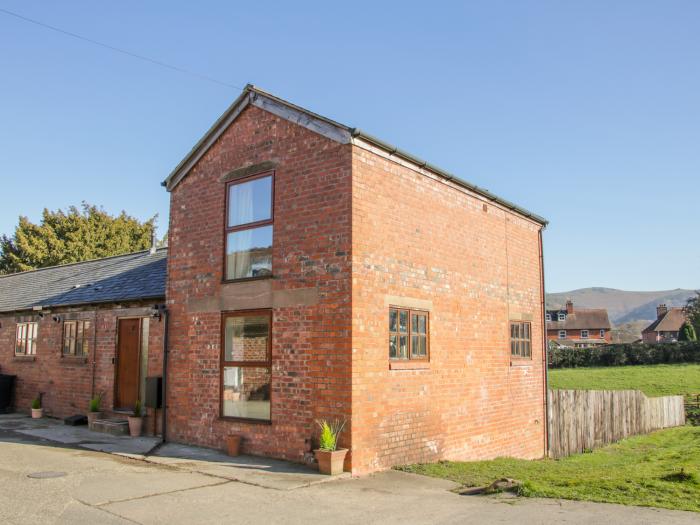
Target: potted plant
[
  {"x": 233, "y": 444},
  {"x": 37, "y": 411},
  {"x": 330, "y": 458},
  {"x": 94, "y": 410},
  {"x": 136, "y": 420}
]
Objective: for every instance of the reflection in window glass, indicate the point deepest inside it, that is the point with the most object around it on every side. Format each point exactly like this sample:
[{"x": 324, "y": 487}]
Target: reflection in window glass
[
  {"x": 249, "y": 253},
  {"x": 246, "y": 392}
]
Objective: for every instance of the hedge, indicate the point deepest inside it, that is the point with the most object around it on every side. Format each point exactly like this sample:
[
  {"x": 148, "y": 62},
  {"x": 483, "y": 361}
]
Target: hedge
[{"x": 625, "y": 354}]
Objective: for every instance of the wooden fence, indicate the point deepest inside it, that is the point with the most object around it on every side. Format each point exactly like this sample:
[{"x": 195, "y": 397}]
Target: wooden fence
[{"x": 582, "y": 420}]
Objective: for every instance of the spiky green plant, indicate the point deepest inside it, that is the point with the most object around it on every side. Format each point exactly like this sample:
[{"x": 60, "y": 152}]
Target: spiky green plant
[
  {"x": 95, "y": 403},
  {"x": 138, "y": 411},
  {"x": 330, "y": 433},
  {"x": 36, "y": 404}
]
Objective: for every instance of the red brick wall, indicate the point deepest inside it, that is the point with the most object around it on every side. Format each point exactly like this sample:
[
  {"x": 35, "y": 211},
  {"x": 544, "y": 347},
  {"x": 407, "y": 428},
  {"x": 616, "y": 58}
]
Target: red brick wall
[
  {"x": 67, "y": 382},
  {"x": 419, "y": 241},
  {"x": 309, "y": 294},
  {"x": 576, "y": 334}
]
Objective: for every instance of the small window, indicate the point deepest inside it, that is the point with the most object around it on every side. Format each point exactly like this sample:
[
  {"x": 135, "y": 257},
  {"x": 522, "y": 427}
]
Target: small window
[
  {"x": 76, "y": 341},
  {"x": 246, "y": 365},
  {"x": 520, "y": 339},
  {"x": 249, "y": 212},
  {"x": 25, "y": 342},
  {"x": 408, "y": 334},
  {"x": 548, "y": 317},
  {"x": 562, "y": 334},
  {"x": 562, "y": 316},
  {"x": 584, "y": 334},
  {"x": 602, "y": 333}
]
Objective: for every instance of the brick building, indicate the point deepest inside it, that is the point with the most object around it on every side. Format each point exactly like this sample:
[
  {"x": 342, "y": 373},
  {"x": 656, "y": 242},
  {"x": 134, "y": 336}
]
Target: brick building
[
  {"x": 667, "y": 326},
  {"x": 316, "y": 271},
  {"x": 578, "y": 328},
  {"x": 74, "y": 331}
]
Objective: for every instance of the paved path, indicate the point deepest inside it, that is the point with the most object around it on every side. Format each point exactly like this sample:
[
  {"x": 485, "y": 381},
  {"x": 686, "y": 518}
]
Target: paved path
[{"x": 49, "y": 482}]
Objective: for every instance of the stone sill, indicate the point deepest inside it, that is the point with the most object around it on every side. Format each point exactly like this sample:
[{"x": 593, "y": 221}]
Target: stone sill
[
  {"x": 24, "y": 358},
  {"x": 409, "y": 365},
  {"x": 523, "y": 361},
  {"x": 71, "y": 360}
]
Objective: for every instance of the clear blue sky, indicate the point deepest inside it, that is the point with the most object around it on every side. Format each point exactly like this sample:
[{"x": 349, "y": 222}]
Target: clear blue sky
[{"x": 585, "y": 112}]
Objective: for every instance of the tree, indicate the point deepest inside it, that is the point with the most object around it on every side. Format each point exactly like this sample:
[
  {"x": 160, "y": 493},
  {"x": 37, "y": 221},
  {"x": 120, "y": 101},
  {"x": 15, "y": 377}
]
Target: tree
[
  {"x": 72, "y": 236},
  {"x": 687, "y": 333},
  {"x": 692, "y": 312}
]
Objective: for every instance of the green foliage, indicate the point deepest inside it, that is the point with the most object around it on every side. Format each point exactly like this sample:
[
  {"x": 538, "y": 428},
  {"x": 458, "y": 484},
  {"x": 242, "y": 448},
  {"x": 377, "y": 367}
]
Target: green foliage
[
  {"x": 72, "y": 236},
  {"x": 95, "y": 403},
  {"x": 624, "y": 354},
  {"x": 687, "y": 333},
  {"x": 692, "y": 311},
  {"x": 36, "y": 404},
  {"x": 330, "y": 432},
  {"x": 138, "y": 411},
  {"x": 658, "y": 470}
]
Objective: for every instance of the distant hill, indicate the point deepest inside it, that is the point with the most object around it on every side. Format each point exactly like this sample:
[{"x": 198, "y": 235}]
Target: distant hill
[{"x": 623, "y": 307}]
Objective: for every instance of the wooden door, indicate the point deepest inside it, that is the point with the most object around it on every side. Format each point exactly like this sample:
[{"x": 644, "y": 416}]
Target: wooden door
[{"x": 127, "y": 369}]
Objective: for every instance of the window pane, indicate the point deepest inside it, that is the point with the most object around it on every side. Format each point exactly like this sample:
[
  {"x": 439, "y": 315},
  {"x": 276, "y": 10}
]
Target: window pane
[
  {"x": 418, "y": 323},
  {"x": 393, "y": 319},
  {"x": 250, "y": 201},
  {"x": 403, "y": 347},
  {"x": 247, "y": 338},
  {"x": 418, "y": 346},
  {"x": 526, "y": 327},
  {"x": 249, "y": 253},
  {"x": 403, "y": 321},
  {"x": 393, "y": 347},
  {"x": 246, "y": 392}
]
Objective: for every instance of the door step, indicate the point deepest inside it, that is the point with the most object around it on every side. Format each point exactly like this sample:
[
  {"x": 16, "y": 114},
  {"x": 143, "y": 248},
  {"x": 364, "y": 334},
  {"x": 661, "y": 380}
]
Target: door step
[{"x": 115, "y": 427}]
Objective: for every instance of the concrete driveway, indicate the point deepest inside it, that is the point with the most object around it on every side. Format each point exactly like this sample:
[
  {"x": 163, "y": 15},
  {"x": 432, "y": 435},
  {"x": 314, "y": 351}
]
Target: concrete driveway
[{"x": 50, "y": 482}]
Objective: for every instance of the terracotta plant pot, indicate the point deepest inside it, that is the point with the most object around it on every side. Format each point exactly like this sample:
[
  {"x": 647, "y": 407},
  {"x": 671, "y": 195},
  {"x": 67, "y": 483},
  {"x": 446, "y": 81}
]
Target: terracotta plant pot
[
  {"x": 233, "y": 445},
  {"x": 37, "y": 413},
  {"x": 331, "y": 462},
  {"x": 92, "y": 416},
  {"x": 135, "y": 425}
]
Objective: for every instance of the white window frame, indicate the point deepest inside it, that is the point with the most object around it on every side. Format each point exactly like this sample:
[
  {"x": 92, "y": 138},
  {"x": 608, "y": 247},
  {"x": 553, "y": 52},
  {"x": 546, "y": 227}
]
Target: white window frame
[
  {"x": 584, "y": 334},
  {"x": 548, "y": 317},
  {"x": 562, "y": 332},
  {"x": 562, "y": 317}
]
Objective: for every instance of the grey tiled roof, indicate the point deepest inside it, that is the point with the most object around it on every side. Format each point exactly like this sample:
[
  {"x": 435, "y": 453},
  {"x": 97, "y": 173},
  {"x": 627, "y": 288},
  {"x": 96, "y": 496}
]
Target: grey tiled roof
[{"x": 134, "y": 276}]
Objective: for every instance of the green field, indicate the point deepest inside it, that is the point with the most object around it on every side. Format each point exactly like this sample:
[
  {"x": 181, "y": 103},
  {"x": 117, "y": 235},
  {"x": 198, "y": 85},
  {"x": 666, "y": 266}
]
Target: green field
[
  {"x": 658, "y": 470},
  {"x": 653, "y": 380}
]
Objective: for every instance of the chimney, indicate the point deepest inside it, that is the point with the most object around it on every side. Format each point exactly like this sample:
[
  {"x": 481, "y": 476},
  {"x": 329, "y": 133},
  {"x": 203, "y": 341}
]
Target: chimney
[
  {"x": 661, "y": 311},
  {"x": 154, "y": 241},
  {"x": 569, "y": 307}
]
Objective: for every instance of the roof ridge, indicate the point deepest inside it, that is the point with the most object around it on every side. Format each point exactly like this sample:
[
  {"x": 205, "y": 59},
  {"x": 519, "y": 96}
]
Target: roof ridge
[{"x": 2, "y": 276}]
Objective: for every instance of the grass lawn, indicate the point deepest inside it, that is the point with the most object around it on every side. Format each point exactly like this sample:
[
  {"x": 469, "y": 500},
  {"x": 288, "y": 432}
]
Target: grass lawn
[
  {"x": 653, "y": 380},
  {"x": 658, "y": 470}
]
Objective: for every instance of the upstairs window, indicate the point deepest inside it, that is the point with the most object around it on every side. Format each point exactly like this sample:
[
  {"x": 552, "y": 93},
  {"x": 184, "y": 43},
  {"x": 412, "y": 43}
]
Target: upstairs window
[
  {"x": 76, "y": 341},
  {"x": 520, "y": 339},
  {"x": 408, "y": 334},
  {"x": 584, "y": 334},
  {"x": 25, "y": 342},
  {"x": 602, "y": 333},
  {"x": 249, "y": 212},
  {"x": 562, "y": 334},
  {"x": 548, "y": 317},
  {"x": 562, "y": 317}
]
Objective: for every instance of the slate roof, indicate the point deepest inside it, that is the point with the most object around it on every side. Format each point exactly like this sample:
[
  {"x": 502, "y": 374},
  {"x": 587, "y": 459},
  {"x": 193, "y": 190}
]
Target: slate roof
[
  {"x": 133, "y": 276},
  {"x": 671, "y": 321},
  {"x": 581, "y": 319}
]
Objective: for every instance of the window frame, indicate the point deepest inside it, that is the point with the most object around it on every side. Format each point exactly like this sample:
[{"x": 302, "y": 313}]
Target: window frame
[
  {"x": 27, "y": 339},
  {"x": 561, "y": 317},
  {"x": 84, "y": 335},
  {"x": 409, "y": 334},
  {"x": 512, "y": 340},
  {"x": 602, "y": 333},
  {"x": 247, "y": 226},
  {"x": 587, "y": 334},
  {"x": 252, "y": 364},
  {"x": 561, "y": 332},
  {"x": 548, "y": 317}
]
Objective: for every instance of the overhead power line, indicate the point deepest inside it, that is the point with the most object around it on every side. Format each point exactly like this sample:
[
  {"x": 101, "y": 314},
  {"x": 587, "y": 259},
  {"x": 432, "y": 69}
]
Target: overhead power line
[{"x": 119, "y": 50}]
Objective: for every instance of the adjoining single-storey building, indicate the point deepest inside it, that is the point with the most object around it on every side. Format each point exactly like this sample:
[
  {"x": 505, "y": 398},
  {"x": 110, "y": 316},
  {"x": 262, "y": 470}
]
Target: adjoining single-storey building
[
  {"x": 71, "y": 332},
  {"x": 315, "y": 271}
]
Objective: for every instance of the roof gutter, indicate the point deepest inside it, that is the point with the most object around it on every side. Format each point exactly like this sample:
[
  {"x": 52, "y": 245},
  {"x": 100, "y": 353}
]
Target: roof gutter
[{"x": 393, "y": 150}]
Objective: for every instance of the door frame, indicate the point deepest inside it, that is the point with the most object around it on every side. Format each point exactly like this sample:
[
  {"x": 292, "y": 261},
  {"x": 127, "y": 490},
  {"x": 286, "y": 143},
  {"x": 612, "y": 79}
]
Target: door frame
[{"x": 117, "y": 357}]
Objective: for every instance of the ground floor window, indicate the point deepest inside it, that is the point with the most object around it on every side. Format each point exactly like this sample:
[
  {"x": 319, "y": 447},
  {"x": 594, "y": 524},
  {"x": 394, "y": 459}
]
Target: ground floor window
[
  {"x": 408, "y": 334},
  {"x": 25, "y": 342},
  {"x": 76, "y": 340},
  {"x": 246, "y": 365},
  {"x": 520, "y": 339}
]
